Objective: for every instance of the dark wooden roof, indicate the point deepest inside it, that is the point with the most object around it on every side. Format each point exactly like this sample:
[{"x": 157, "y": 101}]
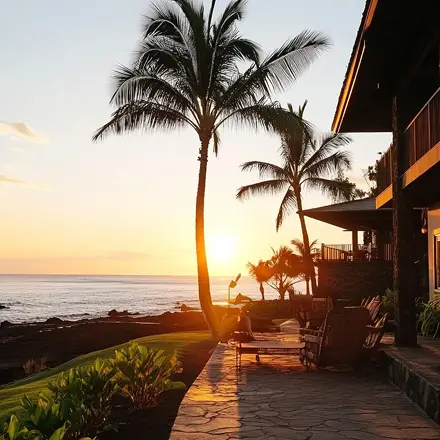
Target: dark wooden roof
[
  {"x": 358, "y": 215},
  {"x": 397, "y": 43},
  {"x": 355, "y": 215}
]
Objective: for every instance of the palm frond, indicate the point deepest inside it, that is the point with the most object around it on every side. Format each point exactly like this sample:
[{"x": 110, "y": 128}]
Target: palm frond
[
  {"x": 136, "y": 85},
  {"x": 142, "y": 115},
  {"x": 337, "y": 190},
  {"x": 265, "y": 169},
  {"x": 288, "y": 205},
  {"x": 269, "y": 116},
  {"x": 284, "y": 65},
  {"x": 333, "y": 164},
  {"x": 261, "y": 188},
  {"x": 326, "y": 146},
  {"x": 216, "y": 142}
]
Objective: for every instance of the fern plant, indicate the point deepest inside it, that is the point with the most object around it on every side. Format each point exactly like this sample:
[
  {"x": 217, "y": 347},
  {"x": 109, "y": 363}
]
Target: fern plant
[{"x": 145, "y": 373}]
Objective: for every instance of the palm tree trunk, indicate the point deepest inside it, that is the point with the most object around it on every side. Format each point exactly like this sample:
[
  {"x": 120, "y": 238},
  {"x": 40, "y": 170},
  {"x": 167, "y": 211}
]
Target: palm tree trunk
[
  {"x": 307, "y": 285},
  {"x": 202, "y": 263},
  {"x": 262, "y": 291},
  {"x": 308, "y": 257}
]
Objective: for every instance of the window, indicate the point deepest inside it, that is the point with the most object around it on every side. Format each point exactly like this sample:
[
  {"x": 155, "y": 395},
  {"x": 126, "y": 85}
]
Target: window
[{"x": 437, "y": 261}]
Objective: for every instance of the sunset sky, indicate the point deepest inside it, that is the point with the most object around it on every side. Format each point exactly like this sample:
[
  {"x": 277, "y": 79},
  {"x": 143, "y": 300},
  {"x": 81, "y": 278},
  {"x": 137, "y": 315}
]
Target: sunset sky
[{"x": 126, "y": 206}]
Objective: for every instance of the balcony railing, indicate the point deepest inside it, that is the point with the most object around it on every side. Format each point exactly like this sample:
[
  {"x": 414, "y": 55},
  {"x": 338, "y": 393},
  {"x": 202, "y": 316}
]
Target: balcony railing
[
  {"x": 384, "y": 171},
  {"x": 345, "y": 252},
  {"x": 422, "y": 134}
]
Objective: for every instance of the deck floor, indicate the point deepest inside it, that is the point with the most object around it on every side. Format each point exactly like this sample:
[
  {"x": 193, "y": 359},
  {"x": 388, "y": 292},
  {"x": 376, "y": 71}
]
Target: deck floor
[{"x": 278, "y": 399}]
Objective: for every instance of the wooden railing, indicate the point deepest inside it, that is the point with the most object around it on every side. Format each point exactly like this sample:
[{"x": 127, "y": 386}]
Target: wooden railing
[
  {"x": 384, "y": 171},
  {"x": 345, "y": 252},
  {"x": 422, "y": 134}
]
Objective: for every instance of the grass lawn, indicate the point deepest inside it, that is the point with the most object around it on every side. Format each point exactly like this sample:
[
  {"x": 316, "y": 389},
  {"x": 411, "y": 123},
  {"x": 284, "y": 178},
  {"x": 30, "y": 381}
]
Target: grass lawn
[{"x": 10, "y": 394}]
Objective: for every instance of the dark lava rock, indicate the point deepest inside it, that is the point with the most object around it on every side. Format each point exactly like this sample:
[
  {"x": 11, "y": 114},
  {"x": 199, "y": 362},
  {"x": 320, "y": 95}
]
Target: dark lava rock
[
  {"x": 5, "y": 324},
  {"x": 54, "y": 321},
  {"x": 115, "y": 314}
]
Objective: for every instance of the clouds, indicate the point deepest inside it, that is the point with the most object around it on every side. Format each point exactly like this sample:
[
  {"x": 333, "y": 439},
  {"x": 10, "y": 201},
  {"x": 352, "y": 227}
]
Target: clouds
[
  {"x": 21, "y": 130},
  {"x": 14, "y": 181}
]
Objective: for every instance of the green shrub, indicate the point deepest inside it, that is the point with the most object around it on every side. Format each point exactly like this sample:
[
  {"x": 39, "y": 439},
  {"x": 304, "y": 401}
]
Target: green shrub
[
  {"x": 44, "y": 416},
  {"x": 16, "y": 430},
  {"x": 143, "y": 374},
  {"x": 429, "y": 318},
  {"x": 84, "y": 395}
]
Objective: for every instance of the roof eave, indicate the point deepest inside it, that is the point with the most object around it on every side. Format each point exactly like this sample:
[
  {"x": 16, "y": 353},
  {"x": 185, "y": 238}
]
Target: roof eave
[{"x": 353, "y": 66}]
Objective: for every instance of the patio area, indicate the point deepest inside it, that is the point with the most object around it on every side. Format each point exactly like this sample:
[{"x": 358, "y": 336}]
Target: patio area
[{"x": 279, "y": 399}]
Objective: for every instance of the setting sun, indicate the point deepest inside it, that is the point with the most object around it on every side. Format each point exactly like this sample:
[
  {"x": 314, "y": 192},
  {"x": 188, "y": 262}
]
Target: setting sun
[{"x": 221, "y": 247}]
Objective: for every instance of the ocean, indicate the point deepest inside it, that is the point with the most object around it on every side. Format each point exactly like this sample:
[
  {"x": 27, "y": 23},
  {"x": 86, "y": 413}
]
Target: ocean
[{"x": 34, "y": 298}]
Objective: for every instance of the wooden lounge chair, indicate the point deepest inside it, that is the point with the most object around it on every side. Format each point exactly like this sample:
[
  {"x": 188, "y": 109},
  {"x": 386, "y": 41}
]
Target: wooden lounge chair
[
  {"x": 339, "y": 341},
  {"x": 373, "y": 307},
  {"x": 268, "y": 347},
  {"x": 370, "y": 350}
]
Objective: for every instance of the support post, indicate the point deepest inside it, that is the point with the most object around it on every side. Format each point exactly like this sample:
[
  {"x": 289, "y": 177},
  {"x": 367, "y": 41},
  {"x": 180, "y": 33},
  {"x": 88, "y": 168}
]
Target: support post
[
  {"x": 355, "y": 241},
  {"x": 403, "y": 230}
]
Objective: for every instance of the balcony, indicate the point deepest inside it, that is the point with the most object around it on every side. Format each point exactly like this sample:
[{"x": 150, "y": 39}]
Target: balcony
[
  {"x": 346, "y": 252},
  {"x": 422, "y": 140}
]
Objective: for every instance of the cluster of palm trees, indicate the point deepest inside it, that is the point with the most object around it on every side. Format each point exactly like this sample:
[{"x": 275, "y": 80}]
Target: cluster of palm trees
[
  {"x": 193, "y": 71},
  {"x": 284, "y": 268}
]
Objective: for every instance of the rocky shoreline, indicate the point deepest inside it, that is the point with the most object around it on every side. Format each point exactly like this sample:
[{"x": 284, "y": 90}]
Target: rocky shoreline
[{"x": 60, "y": 340}]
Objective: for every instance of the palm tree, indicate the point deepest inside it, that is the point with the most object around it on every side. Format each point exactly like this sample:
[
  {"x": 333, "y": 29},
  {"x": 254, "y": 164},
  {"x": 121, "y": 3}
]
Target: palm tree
[
  {"x": 309, "y": 162},
  {"x": 285, "y": 266},
  {"x": 300, "y": 250},
  {"x": 186, "y": 74},
  {"x": 261, "y": 273}
]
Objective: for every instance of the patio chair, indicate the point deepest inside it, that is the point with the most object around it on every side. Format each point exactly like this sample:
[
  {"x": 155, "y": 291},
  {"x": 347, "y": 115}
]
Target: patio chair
[
  {"x": 339, "y": 341},
  {"x": 374, "y": 336},
  {"x": 373, "y": 307}
]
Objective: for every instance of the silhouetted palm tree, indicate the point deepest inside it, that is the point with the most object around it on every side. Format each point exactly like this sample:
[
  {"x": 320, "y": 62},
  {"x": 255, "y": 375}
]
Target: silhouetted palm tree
[
  {"x": 186, "y": 74},
  {"x": 285, "y": 267},
  {"x": 300, "y": 250},
  {"x": 308, "y": 163},
  {"x": 261, "y": 273}
]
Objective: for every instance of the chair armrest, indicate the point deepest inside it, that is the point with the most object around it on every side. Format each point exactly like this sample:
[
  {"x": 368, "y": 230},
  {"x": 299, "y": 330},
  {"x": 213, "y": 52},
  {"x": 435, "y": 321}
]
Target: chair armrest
[
  {"x": 371, "y": 329},
  {"x": 309, "y": 331},
  {"x": 311, "y": 339}
]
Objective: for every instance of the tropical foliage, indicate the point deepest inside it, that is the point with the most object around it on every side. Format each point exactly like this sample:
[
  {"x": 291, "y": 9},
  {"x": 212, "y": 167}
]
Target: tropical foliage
[
  {"x": 85, "y": 397},
  {"x": 280, "y": 272},
  {"x": 191, "y": 71},
  {"x": 301, "y": 251},
  {"x": 309, "y": 162},
  {"x": 16, "y": 429},
  {"x": 80, "y": 401},
  {"x": 261, "y": 273},
  {"x": 144, "y": 374},
  {"x": 429, "y": 318}
]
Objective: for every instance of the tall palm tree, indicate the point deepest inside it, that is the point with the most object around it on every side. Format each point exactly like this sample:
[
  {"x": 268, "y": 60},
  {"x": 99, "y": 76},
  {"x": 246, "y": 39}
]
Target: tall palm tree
[
  {"x": 309, "y": 162},
  {"x": 261, "y": 273},
  {"x": 186, "y": 74},
  {"x": 300, "y": 250}
]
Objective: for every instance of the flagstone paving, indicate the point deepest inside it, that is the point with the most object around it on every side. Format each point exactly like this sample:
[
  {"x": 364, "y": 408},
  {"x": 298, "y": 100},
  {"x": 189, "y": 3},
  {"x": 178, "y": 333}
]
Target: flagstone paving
[{"x": 278, "y": 399}]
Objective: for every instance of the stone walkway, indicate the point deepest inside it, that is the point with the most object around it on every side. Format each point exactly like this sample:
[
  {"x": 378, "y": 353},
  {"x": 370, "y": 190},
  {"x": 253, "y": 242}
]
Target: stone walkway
[{"x": 280, "y": 400}]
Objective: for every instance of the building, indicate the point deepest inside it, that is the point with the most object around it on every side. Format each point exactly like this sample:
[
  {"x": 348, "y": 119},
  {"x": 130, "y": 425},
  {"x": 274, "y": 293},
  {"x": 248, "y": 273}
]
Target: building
[{"x": 392, "y": 85}]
